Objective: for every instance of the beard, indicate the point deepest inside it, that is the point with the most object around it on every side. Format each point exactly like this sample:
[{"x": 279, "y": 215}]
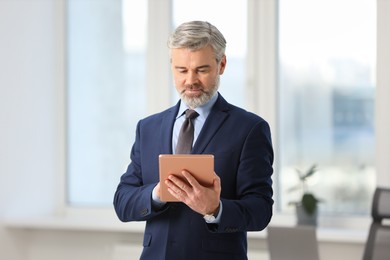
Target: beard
[{"x": 194, "y": 102}]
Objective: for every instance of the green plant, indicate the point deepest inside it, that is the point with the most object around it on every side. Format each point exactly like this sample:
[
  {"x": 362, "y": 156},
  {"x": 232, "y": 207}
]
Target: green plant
[{"x": 308, "y": 201}]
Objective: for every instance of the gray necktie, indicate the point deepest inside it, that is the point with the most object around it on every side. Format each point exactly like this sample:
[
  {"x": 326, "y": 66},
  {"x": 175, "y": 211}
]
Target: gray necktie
[{"x": 186, "y": 135}]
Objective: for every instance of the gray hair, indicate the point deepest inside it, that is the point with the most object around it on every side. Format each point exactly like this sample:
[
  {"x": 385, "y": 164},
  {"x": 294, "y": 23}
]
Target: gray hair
[{"x": 196, "y": 35}]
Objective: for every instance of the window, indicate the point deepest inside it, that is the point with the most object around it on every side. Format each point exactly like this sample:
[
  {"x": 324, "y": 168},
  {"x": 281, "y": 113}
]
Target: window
[
  {"x": 107, "y": 42},
  {"x": 326, "y": 101},
  {"x": 326, "y": 85},
  {"x": 106, "y": 97}
]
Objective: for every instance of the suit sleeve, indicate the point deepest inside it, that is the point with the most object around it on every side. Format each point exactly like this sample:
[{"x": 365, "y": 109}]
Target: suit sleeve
[
  {"x": 252, "y": 210},
  {"x": 133, "y": 198}
]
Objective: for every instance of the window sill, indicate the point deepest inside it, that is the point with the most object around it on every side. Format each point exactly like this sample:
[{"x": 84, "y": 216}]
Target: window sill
[
  {"x": 100, "y": 220},
  {"x": 106, "y": 221},
  {"x": 333, "y": 229}
]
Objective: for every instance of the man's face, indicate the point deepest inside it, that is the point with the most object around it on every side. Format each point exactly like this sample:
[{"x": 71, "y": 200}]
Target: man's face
[{"x": 196, "y": 74}]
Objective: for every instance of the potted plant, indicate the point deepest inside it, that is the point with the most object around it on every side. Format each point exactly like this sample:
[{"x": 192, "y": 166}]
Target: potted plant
[{"x": 307, "y": 206}]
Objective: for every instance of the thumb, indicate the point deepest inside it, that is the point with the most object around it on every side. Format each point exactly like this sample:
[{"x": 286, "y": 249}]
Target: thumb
[{"x": 217, "y": 182}]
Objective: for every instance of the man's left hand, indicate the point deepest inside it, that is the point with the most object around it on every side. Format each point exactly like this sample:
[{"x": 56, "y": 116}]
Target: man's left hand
[{"x": 204, "y": 200}]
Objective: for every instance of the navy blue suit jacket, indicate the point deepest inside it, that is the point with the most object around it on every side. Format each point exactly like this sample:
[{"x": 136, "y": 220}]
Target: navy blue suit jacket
[{"x": 241, "y": 144}]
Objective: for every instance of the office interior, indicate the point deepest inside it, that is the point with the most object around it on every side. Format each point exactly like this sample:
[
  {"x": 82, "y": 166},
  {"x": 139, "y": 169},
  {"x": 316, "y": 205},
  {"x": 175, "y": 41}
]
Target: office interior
[{"x": 36, "y": 222}]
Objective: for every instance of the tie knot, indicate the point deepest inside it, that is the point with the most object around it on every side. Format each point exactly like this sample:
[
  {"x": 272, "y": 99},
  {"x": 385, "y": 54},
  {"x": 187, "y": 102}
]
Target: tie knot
[{"x": 190, "y": 114}]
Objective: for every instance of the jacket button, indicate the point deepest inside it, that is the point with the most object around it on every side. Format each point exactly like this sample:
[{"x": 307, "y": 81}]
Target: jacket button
[{"x": 144, "y": 212}]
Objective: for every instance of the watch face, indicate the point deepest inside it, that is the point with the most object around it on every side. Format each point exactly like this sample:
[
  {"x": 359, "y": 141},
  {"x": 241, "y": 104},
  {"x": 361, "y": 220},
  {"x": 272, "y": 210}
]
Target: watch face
[{"x": 209, "y": 218}]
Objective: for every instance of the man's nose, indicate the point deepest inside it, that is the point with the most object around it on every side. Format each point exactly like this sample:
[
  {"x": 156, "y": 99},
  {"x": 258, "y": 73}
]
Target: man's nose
[{"x": 192, "y": 77}]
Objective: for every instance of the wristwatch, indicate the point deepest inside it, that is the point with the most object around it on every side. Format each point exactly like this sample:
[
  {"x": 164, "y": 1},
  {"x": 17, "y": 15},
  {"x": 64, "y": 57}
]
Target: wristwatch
[{"x": 211, "y": 217}]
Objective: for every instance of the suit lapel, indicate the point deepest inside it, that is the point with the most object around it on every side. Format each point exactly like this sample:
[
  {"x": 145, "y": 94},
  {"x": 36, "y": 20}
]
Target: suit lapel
[
  {"x": 167, "y": 129},
  {"x": 214, "y": 121}
]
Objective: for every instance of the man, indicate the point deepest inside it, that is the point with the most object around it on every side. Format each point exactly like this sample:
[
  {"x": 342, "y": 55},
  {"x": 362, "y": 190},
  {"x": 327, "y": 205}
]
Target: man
[{"x": 208, "y": 222}]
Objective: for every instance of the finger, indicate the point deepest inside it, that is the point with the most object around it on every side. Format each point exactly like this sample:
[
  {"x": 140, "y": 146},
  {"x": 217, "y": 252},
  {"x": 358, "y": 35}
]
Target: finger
[
  {"x": 179, "y": 183},
  {"x": 191, "y": 180},
  {"x": 172, "y": 187},
  {"x": 177, "y": 195},
  {"x": 217, "y": 180},
  {"x": 217, "y": 183},
  {"x": 176, "y": 191}
]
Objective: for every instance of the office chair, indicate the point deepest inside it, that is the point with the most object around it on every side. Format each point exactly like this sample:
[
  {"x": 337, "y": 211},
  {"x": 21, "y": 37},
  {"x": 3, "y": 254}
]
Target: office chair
[{"x": 378, "y": 242}]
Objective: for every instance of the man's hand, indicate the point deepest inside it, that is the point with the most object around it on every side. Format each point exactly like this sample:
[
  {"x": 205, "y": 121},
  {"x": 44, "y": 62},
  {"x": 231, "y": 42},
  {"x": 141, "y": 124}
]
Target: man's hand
[
  {"x": 204, "y": 200},
  {"x": 157, "y": 190}
]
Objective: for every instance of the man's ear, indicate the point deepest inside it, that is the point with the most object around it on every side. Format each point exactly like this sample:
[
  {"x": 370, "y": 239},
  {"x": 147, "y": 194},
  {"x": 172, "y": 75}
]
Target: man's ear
[{"x": 222, "y": 65}]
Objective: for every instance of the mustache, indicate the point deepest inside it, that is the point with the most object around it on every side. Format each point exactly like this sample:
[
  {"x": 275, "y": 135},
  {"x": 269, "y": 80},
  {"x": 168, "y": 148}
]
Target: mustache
[{"x": 193, "y": 87}]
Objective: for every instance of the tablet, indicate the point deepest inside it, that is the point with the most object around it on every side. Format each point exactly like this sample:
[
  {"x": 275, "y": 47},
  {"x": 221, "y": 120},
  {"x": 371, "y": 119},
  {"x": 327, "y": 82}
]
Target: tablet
[{"x": 201, "y": 166}]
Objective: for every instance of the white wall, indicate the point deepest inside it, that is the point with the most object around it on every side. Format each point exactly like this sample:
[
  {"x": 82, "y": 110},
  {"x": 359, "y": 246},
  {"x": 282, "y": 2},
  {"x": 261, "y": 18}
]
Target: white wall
[
  {"x": 28, "y": 105},
  {"x": 31, "y": 123},
  {"x": 382, "y": 103},
  {"x": 32, "y": 141}
]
